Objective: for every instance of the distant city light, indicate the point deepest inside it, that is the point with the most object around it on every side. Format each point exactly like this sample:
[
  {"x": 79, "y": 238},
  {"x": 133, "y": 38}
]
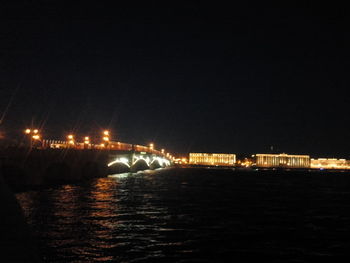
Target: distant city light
[
  {"x": 330, "y": 163},
  {"x": 28, "y": 131},
  {"x": 221, "y": 159},
  {"x": 282, "y": 160}
]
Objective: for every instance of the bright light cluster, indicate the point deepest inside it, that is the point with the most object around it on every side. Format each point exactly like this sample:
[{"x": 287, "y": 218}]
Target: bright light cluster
[
  {"x": 35, "y": 133},
  {"x": 282, "y": 160},
  {"x": 148, "y": 160},
  {"x": 221, "y": 159},
  {"x": 330, "y": 163}
]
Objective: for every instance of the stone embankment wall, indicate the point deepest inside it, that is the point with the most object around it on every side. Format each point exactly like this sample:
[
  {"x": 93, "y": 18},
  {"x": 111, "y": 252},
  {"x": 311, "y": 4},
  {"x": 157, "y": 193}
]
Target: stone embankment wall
[{"x": 24, "y": 168}]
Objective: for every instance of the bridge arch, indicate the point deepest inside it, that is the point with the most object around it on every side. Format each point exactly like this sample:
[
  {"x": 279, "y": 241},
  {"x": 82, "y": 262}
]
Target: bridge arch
[
  {"x": 120, "y": 165},
  {"x": 156, "y": 163},
  {"x": 140, "y": 164}
]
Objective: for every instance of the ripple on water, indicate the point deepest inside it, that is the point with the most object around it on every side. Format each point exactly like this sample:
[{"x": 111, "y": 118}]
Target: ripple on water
[{"x": 191, "y": 216}]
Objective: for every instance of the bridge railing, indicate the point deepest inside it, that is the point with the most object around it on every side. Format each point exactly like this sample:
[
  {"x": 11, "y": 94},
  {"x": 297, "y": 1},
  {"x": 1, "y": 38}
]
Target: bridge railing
[
  {"x": 120, "y": 146},
  {"x": 112, "y": 145}
]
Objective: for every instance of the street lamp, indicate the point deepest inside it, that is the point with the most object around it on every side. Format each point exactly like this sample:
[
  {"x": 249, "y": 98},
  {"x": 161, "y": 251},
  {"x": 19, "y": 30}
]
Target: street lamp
[
  {"x": 70, "y": 138},
  {"x": 105, "y": 137},
  {"x": 34, "y": 135},
  {"x": 151, "y": 146},
  {"x": 86, "y": 142}
]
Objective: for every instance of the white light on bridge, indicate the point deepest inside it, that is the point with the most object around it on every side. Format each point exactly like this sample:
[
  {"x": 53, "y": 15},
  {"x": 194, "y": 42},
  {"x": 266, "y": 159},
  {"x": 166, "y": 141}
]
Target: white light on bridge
[{"x": 122, "y": 160}]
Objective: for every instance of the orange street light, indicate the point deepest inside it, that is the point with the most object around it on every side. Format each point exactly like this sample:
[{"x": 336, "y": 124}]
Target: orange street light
[
  {"x": 36, "y": 137},
  {"x": 106, "y": 132},
  {"x": 27, "y": 131},
  {"x": 86, "y": 140},
  {"x": 70, "y": 138},
  {"x": 35, "y": 131}
]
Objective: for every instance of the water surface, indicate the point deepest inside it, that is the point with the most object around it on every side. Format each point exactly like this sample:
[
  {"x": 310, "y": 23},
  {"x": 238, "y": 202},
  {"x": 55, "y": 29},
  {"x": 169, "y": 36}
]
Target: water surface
[{"x": 193, "y": 215}]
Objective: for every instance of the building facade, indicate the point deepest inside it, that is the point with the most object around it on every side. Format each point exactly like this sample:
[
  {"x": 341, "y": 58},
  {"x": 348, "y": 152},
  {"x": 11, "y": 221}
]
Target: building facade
[
  {"x": 331, "y": 163},
  {"x": 282, "y": 160},
  {"x": 219, "y": 159}
]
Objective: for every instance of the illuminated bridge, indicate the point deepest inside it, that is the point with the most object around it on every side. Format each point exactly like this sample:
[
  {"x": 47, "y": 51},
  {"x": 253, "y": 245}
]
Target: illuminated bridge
[
  {"x": 121, "y": 156},
  {"x": 61, "y": 161}
]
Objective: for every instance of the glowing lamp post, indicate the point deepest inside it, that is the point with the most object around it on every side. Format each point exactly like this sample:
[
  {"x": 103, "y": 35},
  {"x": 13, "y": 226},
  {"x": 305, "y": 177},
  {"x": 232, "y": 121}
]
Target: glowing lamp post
[
  {"x": 70, "y": 138},
  {"x": 105, "y": 138},
  {"x": 36, "y": 137},
  {"x": 86, "y": 142},
  {"x": 33, "y": 135}
]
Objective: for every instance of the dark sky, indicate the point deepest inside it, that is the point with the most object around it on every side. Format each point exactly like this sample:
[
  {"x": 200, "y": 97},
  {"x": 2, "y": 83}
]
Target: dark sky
[{"x": 186, "y": 76}]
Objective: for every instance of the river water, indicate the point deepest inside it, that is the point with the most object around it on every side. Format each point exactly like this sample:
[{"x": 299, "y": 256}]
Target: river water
[{"x": 193, "y": 215}]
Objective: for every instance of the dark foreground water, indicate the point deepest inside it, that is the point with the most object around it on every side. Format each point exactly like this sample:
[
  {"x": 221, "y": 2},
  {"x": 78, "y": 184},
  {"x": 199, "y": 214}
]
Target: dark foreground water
[{"x": 194, "y": 215}]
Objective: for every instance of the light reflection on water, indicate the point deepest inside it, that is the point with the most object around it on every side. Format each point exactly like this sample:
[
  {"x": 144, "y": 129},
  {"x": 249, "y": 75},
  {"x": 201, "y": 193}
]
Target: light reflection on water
[
  {"x": 191, "y": 215},
  {"x": 121, "y": 175}
]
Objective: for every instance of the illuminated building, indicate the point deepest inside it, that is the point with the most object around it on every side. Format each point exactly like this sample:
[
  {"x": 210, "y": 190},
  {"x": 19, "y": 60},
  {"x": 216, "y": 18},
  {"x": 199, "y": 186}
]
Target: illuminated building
[
  {"x": 324, "y": 163},
  {"x": 221, "y": 159},
  {"x": 282, "y": 160}
]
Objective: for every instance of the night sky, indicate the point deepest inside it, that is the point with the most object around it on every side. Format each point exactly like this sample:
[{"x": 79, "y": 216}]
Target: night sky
[{"x": 190, "y": 77}]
